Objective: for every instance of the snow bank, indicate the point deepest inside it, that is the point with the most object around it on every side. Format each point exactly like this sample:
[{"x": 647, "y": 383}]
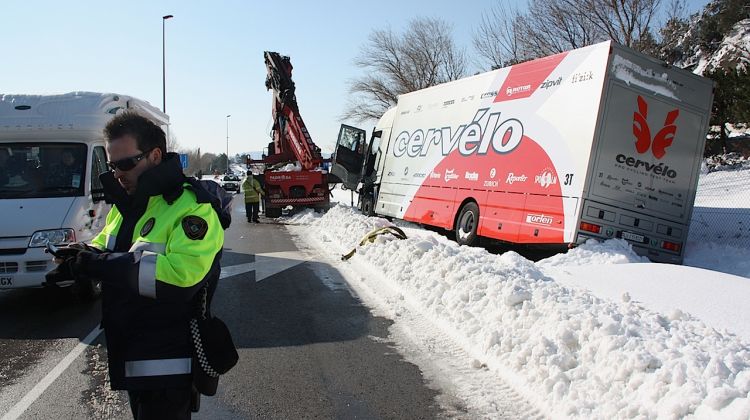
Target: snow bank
[
  {"x": 571, "y": 352},
  {"x": 616, "y": 251},
  {"x": 718, "y": 256}
]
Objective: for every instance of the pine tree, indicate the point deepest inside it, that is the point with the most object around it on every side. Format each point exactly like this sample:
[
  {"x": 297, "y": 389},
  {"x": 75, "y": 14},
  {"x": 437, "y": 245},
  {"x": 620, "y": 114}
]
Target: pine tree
[
  {"x": 718, "y": 18},
  {"x": 731, "y": 103}
]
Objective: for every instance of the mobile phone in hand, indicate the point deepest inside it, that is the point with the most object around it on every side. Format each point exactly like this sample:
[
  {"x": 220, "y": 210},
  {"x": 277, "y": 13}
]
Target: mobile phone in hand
[{"x": 51, "y": 249}]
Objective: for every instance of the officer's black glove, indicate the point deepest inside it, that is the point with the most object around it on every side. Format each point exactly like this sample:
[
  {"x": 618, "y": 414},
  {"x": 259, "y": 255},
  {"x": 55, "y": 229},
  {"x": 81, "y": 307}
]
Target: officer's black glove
[
  {"x": 87, "y": 264},
  {"x": 63, "y": 272}
]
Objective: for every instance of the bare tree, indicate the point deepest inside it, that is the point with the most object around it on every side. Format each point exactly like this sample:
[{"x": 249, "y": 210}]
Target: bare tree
[
  {"x": 172, "y": 144},
  {"x": 425, "y": 55},
  {"x": 625, "y": 21},
  {"x": 676, "y": 10},
  {"x": 554, "y": 26},
  {"x": 499, "y": 36},
  {"x": 677, "y": 40},
  {"x": 506, "y": 36}
]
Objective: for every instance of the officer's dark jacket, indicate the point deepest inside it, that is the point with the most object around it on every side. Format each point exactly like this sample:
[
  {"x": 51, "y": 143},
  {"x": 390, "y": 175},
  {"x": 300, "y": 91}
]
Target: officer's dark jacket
[{"x": 161, "y": 246}]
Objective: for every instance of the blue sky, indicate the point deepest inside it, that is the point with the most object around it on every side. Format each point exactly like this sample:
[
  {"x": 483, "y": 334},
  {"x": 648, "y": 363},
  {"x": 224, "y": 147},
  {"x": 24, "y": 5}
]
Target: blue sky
[{"x": 214, "y": 56}]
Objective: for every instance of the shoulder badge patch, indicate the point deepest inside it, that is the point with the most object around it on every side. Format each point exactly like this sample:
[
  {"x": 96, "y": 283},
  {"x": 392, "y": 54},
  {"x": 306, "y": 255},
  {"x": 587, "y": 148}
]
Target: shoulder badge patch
[
  {"x": 195, "y": 227},
  {"x": 148, "y": 226}
]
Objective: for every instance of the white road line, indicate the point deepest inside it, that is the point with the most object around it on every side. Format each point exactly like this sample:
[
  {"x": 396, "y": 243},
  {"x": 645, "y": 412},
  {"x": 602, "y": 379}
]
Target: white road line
[
  {"x": 233, "y": 270},
  {"x": 40, "y": 387},
  {"x": 266, "y": 265}
]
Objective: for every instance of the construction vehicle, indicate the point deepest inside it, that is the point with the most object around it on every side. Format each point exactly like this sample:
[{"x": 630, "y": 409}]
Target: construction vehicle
[
  {"x": 292, "y": 168},
  {"x": 600, "y": 142}
]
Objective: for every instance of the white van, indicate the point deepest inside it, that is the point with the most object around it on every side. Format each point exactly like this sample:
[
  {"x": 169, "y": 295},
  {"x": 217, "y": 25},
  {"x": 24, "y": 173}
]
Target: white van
[{"x": 51, "y": 156}]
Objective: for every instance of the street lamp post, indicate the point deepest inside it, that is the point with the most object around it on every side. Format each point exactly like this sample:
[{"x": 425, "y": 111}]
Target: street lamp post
[
  {"x": 228, "y": 143},
  {"x": 164, "y": 63}
]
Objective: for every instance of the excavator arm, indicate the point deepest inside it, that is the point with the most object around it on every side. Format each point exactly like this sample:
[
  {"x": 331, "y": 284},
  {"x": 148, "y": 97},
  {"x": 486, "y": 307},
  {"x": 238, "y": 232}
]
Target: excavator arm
[{"x": 291, "y": 139}]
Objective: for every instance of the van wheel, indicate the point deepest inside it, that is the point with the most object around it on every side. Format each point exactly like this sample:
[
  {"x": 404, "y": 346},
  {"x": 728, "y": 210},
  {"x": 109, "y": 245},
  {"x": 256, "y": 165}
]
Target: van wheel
[
  {"x": 367, "y": 206},
  {"x": 86, "y": 290},
  {"x": 467, "y": 224}
]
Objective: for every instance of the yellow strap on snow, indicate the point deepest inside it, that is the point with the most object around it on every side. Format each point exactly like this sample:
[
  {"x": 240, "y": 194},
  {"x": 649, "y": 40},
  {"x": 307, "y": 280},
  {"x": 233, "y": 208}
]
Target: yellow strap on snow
[{"x": 370, "y": 238}]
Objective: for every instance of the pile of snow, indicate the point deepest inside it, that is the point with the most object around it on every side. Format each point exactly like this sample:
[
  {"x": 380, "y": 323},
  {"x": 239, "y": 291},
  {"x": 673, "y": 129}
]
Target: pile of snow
[
  {"x": 290, "y": 167},
  {"x": 720, "y": 223},
  {"x": 570, "y": 351},
  {"x": 718, "y": 257},
  {"x": 724, "y": 162},
  {"x": 593, "y": 252}
]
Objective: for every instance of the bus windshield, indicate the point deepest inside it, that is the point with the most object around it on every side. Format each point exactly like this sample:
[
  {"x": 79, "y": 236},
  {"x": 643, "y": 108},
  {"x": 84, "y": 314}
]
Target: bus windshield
[{"x": 36, "y": 170}]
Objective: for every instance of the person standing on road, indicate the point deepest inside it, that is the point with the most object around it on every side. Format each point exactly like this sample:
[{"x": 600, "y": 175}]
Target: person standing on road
[
  {"x": 158, "y": 250},
  {"x": 261, "y": 178},
  {"x": 253, "y": 194}
]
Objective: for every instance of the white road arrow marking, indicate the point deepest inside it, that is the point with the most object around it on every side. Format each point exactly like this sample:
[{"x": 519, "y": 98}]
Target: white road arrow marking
[{"x": 266, "y": 265}]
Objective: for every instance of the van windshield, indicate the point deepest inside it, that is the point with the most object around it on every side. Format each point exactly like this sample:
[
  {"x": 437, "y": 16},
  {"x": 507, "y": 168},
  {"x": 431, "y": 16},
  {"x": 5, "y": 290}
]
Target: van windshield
[{"x": 36, "y": 170}]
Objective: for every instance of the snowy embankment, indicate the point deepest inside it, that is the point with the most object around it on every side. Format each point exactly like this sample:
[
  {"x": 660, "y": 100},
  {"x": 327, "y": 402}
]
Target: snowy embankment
[
  {"x": 570, "y": 351},
  {"x": 720, "y": 224}
]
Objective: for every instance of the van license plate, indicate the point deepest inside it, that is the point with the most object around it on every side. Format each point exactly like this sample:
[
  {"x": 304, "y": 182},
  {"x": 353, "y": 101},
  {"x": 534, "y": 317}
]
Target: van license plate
[
  {"x": 6, "y": 281},
  {"x": 633, "y": 237}
]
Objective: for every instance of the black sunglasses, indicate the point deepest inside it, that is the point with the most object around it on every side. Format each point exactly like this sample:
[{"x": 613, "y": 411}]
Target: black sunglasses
[{"x": 128, "y": 163}]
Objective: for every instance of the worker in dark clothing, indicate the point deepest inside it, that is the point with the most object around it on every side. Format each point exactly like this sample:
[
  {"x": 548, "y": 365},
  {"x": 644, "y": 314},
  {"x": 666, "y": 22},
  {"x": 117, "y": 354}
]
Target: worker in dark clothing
[{"x": 158, "y": 249}]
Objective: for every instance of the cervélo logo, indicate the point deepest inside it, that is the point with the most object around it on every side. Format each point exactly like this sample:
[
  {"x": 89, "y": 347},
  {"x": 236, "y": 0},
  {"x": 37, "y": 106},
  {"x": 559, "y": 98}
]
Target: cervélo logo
[
  {"x": 642, "y": 131},
  {"x": 486, "y": 131},
  {"x": 658, "y": 144}
]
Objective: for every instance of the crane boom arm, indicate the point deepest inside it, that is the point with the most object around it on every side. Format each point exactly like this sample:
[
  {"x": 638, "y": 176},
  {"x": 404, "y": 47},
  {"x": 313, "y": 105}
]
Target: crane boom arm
[{"x": 290, "y": 135}]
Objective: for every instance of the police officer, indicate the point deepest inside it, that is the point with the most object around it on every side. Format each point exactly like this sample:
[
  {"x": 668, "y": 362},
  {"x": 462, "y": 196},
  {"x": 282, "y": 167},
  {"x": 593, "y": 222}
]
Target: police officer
[
  {"x": 158, "y": 249},
  {"x": 253, "y": 195}
]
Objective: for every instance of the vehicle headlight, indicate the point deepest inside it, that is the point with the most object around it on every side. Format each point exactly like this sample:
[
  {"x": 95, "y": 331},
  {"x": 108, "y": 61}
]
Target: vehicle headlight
[{"x": 55, "y": 237}]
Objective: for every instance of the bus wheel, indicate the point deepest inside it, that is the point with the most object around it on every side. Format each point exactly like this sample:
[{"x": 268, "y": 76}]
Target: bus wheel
[{"x": 467, "y": 224}]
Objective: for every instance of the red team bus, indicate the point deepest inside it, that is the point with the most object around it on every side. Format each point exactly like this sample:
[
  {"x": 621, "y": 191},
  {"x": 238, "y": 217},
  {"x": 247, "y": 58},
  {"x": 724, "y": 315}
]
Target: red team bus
[{"x": 599, "y": 142}]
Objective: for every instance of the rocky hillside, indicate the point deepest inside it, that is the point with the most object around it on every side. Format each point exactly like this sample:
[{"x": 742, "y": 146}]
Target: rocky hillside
[{"x": 718, "y": 37}]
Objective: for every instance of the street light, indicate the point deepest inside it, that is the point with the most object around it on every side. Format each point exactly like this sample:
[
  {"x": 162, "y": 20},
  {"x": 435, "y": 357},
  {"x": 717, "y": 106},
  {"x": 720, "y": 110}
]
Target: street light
[
  {"x": 228, "y": 143},
  {"x": 164, "y": 63}
]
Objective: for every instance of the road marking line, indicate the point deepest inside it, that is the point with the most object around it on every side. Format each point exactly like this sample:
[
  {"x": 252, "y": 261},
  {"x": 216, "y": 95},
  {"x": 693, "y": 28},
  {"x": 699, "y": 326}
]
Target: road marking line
[
  {"x": 266, "y": 265},
  {"x": 40, "y": 387},
  {"x": 233, "y": 270}
]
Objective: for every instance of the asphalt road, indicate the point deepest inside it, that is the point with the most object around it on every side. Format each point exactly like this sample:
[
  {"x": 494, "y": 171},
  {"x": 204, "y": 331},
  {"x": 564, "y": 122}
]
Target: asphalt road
[{"x": 308, "y": 348}]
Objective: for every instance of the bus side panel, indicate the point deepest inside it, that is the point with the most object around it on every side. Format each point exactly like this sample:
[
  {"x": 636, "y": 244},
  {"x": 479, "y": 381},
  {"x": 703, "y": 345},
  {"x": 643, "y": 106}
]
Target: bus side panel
[
  {"x": 502, "y": 216},
  {"x": 544, "y": 219},
  {"x": 495, "y": 138},
  {"x": 433, "y": 206}
]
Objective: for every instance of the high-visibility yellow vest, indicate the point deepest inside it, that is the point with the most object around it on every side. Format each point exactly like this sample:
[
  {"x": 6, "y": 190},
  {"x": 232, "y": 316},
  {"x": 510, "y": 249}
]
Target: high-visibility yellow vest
[
  {"x": 252, "y": 189},
  {"x": 178, "y": 241}
]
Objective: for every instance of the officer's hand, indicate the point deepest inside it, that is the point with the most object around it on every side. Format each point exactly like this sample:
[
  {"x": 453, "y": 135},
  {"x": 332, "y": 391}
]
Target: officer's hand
[
  {"x": 62, "y": 272},
  {"x": 85, "y": 263},
  {"x": 67, "y": 252}
]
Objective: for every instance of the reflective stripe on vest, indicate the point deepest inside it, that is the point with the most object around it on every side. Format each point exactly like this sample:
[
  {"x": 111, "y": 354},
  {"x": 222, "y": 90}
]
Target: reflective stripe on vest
[
  {"x": 158, "y": 367},
  {"x": 149, "y": 246},
  {"x": 111, "y": 240},
  {"x": 147, "y": 275}
]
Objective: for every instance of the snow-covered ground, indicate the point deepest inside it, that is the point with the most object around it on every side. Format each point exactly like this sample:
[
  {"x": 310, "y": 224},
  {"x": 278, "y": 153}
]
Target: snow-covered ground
[
  {"x": 597, "y": 332},
  {"x": 720, "y": 226}
]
